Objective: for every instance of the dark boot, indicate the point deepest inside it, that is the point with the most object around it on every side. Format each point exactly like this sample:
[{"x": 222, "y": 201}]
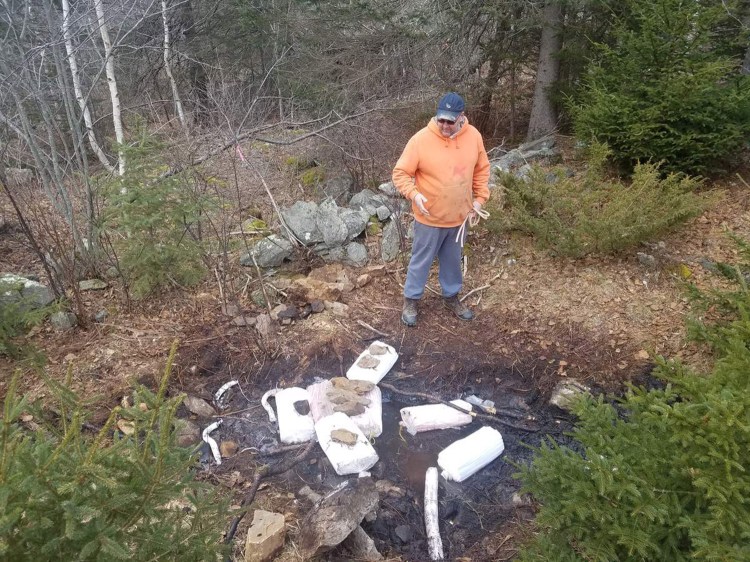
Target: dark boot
[
  {"x": 458, "y": 308},
  {"x": 409, "y": 315}
]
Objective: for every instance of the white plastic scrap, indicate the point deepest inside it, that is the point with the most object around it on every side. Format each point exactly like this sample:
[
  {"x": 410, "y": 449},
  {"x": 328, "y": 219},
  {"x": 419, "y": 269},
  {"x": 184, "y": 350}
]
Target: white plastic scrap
[
  {"x": 220, "y": 393},
  {"x": 211, "y": 442},
  {"x": 267, "y": 406},
  {"x": 467, "y": 456}
]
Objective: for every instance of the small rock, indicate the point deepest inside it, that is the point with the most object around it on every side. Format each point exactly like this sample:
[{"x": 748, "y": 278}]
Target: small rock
[
  {"x": 263, "y": 325},
  {"x": 228, "y": 448},
  {"x": 519, "y": 500},
  {"x": 101, "y": 316},
  {"x": 187, "y": 433},
  {"x": 339, "y": 309},
  {"x": 317, "y": 306},
  {"x": 199, "y": 406},
  {"x": 377, "y": 349},
  {"x": 360, "y": 546},
  {"x": 243, "y": 320},
  {"x": 404, "y": 533},
  {"x": 92, "y": 285},
  {"x": 646, "y": 260},
  {"x": 344, "y": 436},
  {"x": 265, "y": 536},
  {"x": 302, "y": 407},
  {"x": 62, "y": 321},
  {"x": 357, "y": 386},
  {"x": 230, "y": 310},
  {"x": 126, "y": 426},
  {"x": 309, "y": 493},
  {"x": 368, "y": 362},
  {"x": 388, "y": 488},
  {"x": 362, "y": 280},
  {"x": 566, "y": 392}
]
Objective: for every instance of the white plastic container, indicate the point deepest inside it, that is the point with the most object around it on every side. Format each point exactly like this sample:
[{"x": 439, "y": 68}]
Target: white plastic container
[
  {"x": 346, "y": 459},
  {"x": 417, "y": 419},
  {"x": 293, "y": 426},
  {"x": 373, "y": 374},
  {"x": 466, "y": 456},
  {"x": 370, "y": 421}
]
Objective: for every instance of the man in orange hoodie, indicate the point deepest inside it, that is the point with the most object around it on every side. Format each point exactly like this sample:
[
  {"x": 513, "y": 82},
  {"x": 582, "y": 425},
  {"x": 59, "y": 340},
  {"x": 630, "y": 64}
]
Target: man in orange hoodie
[{"x": 444, "y": 171}]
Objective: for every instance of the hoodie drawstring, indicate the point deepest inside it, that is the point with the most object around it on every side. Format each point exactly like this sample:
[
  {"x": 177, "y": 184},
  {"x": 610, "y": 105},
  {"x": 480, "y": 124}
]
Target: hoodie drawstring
[{"x": 473, "y": 219}]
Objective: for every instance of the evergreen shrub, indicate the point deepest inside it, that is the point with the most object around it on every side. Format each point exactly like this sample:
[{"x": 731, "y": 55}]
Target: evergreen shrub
[
  {"x": 576, "y": 216},
  {"x": 66, "y": 495},
  {"x": 17, "y": 315},
  {"x": 665, "y": 90},
  {"x": 661, "y": 475},
  {"x": 153, "y": 222},
  {"x": 722, "y": 313}
]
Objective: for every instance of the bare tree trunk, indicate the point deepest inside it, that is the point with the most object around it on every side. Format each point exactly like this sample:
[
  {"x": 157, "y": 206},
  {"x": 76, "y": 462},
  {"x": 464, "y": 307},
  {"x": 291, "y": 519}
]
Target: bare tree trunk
[
  {"x": 543, "y": 118},
  {"x": 72, "y": 62},
  {"x": 112, "y": 83},
  {"x": 168, "y": 67}
]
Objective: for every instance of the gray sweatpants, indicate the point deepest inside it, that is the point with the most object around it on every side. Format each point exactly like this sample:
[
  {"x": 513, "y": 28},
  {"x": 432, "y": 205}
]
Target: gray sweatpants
[{"x": 430, "y": 242}]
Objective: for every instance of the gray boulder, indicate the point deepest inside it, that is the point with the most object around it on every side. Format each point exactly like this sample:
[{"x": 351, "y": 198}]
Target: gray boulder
[
  {"x": 356, "y": 254},
  {"x": 336, "y": 516},
  {"x": 366, "y": 200},
  {"x": 339, "y": 188},
  {"x": 268, "y": 252},
  {"x": 335, "y": 254},
  {"x": 390, "y": 243},
  {"x": 355, "y": 221},
  {"x": 389, "y": 189},
  {"x": 31, "y": 295},
  {"x": 62, "y": 321},
  {"x": 330, "y": 224},
  {"x": 301, "y": 218},
  {"x": 383, "y": 212}
]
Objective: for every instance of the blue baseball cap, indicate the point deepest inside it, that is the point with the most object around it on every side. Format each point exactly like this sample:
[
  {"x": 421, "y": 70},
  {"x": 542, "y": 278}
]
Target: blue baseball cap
[{"x": 450, "y": 106}]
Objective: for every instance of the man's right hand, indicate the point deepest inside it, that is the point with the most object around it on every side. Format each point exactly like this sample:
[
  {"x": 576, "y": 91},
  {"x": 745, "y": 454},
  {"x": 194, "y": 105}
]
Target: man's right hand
[{"x": 419, "y": 201}]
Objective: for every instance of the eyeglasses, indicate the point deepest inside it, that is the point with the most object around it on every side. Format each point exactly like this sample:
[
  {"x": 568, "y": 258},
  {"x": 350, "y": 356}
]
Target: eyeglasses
[{"x": 446, "y": 122}]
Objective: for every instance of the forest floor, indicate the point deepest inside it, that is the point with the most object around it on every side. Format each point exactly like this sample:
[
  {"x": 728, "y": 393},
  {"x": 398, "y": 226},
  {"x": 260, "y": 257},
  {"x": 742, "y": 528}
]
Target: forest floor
[{"x": 539, "y": 320}]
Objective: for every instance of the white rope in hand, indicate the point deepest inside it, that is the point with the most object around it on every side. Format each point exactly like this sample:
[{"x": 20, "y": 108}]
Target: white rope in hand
[{"x": 473, "y": 219}]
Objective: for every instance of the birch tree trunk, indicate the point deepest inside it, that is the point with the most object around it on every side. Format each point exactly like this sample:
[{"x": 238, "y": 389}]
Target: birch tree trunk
[
  {"x": 167, "y": 66},
  {"x": 543, "y": 118},
  {"x": 73, "y": 63},
  {"x": 112, "y": 83}
]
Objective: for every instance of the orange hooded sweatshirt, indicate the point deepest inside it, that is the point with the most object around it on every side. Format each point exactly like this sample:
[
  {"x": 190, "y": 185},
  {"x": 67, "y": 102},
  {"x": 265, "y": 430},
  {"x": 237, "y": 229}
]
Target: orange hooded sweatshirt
[{"x": 451, "y": 173}]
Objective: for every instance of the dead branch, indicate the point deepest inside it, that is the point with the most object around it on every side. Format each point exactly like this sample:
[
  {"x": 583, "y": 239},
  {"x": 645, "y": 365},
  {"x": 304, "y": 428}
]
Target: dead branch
[
  {"x": 366, "y": 325},
  {"x": 482, "y": 288}
]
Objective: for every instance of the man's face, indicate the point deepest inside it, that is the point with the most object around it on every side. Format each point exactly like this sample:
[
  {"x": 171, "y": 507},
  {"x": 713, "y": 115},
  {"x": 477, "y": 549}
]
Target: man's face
[{"x": 447, "y": 128}]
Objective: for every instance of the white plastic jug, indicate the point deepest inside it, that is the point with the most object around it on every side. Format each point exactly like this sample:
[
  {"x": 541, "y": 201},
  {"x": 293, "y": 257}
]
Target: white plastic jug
[
  {"x": 382, "y": 363},
  {"x": 346, "y": 459},
  {"x": 434, "y": 416},
  {"x": 370, "y": 421},
  {"x": 461, "y": 459},
  {"x": 293, "y": 426}
]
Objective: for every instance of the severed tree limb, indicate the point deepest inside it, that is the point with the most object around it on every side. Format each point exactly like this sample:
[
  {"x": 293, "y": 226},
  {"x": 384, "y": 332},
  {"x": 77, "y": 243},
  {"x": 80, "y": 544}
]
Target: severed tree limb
[
  {"x": 366, "y": 325},
  {"x": 431, "y": 521}
]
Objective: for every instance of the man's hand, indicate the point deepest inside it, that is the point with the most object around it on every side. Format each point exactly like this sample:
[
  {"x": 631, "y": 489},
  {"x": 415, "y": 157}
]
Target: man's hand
[
  {"x": 476, "y": 207},
  {"x": 419, "y": 201}
]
